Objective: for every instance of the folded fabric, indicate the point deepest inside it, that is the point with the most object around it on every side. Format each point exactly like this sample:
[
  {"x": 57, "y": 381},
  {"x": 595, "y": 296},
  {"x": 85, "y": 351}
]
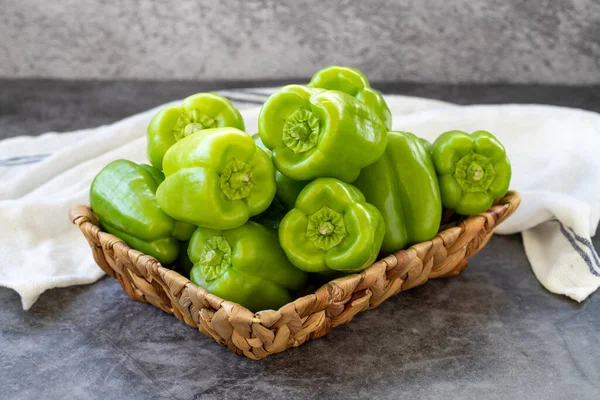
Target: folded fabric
[{"x": 555, "y": 167}]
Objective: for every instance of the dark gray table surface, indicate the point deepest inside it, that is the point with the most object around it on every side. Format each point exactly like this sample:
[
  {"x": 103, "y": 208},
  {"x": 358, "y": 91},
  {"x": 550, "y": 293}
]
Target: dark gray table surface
[{"x": 492, "y": 332}]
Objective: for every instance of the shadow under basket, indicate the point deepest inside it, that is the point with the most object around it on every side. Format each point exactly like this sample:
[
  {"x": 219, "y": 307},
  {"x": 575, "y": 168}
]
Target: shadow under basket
[{"x": 258, "y": 335}]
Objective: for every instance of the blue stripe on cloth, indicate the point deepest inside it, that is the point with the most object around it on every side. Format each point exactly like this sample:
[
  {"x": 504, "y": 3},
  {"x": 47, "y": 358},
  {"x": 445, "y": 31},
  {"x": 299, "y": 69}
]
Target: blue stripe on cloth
[
  {"x": 23, "y": 160},
  {"x": 582, "y": 254},
  {"x": 587, "y": 243},
  {"x": 25, "y": 157}
]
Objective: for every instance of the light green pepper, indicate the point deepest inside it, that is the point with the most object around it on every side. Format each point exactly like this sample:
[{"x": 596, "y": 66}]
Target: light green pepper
[
  {"x": 473, "y": 170},
  {"x": 320, "y": 133},
  {"x": 332, "y": 228},
  {"x": 198, "y": 112},
  {"x": 217, "y": 179},
  {"x": 355, "y": 83},
  {"x": 403, "y": 186},
  {"x": 245, "y": 265}
]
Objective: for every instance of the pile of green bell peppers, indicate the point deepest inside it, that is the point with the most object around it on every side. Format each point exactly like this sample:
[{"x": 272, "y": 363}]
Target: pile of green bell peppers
[{"x": 323, "y": 189}]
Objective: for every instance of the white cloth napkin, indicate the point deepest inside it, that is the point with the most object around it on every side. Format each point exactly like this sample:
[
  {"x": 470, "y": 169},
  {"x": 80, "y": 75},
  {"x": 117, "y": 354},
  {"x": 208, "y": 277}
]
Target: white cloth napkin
[{"x": 554, "y": 153}]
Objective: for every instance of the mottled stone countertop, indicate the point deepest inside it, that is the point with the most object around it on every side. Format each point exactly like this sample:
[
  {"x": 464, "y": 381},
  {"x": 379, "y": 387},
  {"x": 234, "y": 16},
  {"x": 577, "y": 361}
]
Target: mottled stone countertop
[{"x": 492, "y": 332}]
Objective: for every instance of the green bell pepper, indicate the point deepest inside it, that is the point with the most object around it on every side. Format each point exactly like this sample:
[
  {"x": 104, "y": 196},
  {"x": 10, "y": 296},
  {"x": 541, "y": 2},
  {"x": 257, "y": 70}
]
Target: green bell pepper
[
  {"x": 403, "y": 186},
  {"x": 287, "y": 189},
  {"x": 473, "y": 170},
  {"x": 198, "y": 112},
  {"x": 332, "y": 228},
  {"x": 123, "y": 197},
  {"x": 217, "y": 180},
  {"x": 245, "y": 265},
  {"x": 315, "y": 133},
  {"x": 356, "y": 84}
]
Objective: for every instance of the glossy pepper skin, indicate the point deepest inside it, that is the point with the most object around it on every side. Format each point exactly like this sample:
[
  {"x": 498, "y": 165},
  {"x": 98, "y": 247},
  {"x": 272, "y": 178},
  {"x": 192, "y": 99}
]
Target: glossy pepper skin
[
  {"x": 245, "y": 265},
  {"x": 316, "y": 132},
  {"x": 197, "y": 112},
  {"x": 332, "y": 228},
  {"x": 123, "y": 197},
  {"x": 473, "y": 170},
  {"x": 217, "y": 179},
  {"x": 403, "y": 186},
  {"x": 355, "y": 83},
  {"x": 287, "y": 188}
]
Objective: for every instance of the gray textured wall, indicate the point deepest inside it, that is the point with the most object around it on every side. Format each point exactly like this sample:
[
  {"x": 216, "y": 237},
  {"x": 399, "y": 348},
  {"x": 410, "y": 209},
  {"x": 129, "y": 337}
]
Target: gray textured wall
[{"x": 546, "y": 41}]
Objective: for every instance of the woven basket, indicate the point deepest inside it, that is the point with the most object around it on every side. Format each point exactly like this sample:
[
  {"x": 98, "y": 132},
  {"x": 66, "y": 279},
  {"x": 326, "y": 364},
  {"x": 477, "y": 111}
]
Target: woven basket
[{"x": 257, "y": 335}]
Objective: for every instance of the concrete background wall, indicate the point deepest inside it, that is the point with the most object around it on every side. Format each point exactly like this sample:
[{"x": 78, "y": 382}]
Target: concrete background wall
[{"x": 545, "y": 41}]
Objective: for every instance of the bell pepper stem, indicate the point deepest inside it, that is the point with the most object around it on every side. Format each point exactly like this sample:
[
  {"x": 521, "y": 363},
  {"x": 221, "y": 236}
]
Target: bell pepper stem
[
  {"x": 237, "y": 180},
  {"x": 301, "y": 131},
  {"x": 326, "y": 228},
  {"x": 192, "y": 128},
  {"x": 474, "y": 173}
]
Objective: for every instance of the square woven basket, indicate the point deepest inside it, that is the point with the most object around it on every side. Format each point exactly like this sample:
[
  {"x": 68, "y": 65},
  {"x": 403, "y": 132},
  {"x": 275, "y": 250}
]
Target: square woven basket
[{"x": 258, "y": 335}]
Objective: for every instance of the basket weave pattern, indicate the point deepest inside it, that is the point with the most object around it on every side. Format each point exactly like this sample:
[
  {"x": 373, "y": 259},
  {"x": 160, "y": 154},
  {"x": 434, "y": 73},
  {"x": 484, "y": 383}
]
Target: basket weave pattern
[{"x": 257, "y": 335}]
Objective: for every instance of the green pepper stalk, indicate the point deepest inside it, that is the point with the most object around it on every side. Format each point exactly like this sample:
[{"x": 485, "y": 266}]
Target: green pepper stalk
[
  {"x": 356, "y": 84},
  {"x": 331, "y": 228},
  {"x": 473, "y": 170},
  {"x": 403, "y": 186},
  {"x": 315, "y": 133},
  {"x": 123, "y": 197},
  {"x": 218, "y": 179},
  {"x": 245, "y": 265},
  {"x": 197, "y": 112}
]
